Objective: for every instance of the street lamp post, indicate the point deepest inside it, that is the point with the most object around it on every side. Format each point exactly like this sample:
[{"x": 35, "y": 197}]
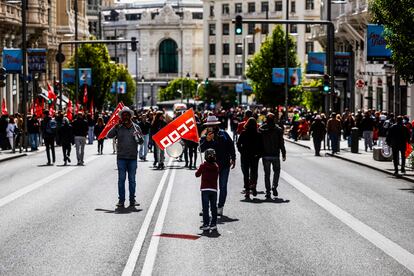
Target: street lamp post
[
  {"x": 24, "y": 75},
  {"x": 152, "y": 94},
  {"x": 187, "y": 77},
  {"x": 287, "y": 61},
  {"x": 76, "y": 53},
  {"x": 142, "y": 90}
]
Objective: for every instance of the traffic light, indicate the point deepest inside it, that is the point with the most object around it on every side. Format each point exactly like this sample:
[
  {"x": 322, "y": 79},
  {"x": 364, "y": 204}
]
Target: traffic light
[
  {"x": 326, "y": 83},
  {"x": 3, "y": 76},
  {"x": 206, "y": 83},
  {"x": 134, "y": 44},
  {"x": 239, "y": 25}
]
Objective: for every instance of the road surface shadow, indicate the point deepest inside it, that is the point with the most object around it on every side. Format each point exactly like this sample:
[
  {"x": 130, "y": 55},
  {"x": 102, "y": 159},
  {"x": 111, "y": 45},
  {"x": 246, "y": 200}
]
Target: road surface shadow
[
  {"x": 225, "y": 219},
  {"x": 45, "y": 165},
  {"x": 125, "y": 210},
  {"x": 259, "y": 201},
  {"x": 410, "y": 190}
]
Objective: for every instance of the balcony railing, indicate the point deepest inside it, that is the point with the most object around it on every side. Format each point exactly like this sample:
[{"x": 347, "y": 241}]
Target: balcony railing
[{"x": 10, "y": 14}]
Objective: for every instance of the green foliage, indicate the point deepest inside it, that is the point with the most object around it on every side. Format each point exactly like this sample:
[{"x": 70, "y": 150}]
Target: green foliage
[
  {"x": 211, "y": 93},
  {"x": 312, "y": 101},
  {"x": 271, "y": 55},
  {"x": 122, "y": 75},
  {"x": 96, "y": 57},
  {"x": 171, "y": 92},
  {"x": 397, "y": 16}
]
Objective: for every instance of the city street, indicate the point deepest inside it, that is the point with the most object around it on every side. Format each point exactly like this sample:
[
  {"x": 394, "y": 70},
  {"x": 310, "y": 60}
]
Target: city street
[{"x": 331, "y": 218}]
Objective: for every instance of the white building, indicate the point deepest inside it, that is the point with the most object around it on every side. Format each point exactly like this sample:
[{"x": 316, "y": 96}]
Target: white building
[
  {"x": 226, "y": 53},
  {"x": 170, "y": 41},
  {"x": 351, "y": 20}
]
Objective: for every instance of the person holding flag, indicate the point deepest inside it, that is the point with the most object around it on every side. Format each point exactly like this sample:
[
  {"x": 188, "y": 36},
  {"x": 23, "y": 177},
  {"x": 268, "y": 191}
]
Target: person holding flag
[{"x": 129, "y": 136}]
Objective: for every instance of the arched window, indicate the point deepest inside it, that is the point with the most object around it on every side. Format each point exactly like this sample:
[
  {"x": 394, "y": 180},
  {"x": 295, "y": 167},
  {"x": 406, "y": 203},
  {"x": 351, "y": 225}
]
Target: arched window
[{"x": 168, "y": 57}]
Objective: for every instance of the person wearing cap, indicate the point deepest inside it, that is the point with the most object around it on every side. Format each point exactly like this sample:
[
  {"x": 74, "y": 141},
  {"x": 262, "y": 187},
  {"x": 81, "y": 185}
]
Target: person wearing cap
[
  {"x": 66, "y": 139},
  {"x": 129, "y": 136},
  {"x": 80, "y": 130},
  {"x": 214, "y": 138},
  {"x": 273, "y": 144},
  {"x": 317, "y": 131}
]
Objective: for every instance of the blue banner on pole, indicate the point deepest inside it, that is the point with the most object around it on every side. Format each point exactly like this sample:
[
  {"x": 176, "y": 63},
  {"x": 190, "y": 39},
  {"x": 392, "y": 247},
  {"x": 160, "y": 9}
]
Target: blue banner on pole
[
  {"x": 239, "y": 88},
  {"x": 316, "y": 63},
  {"x": 85, "y": 76},
  {"x": 13, "y": 60},
  {"x": 68, "y": 76},
  {"x": 295, "y": 76},
  {"x": 119, "y": 87},
  {"x": 37, "y": 60},
  {"x": 376, "y": 45}
]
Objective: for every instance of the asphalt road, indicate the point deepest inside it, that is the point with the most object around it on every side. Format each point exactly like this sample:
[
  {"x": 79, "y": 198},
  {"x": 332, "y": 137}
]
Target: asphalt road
[{"x": 331, "y": 218}]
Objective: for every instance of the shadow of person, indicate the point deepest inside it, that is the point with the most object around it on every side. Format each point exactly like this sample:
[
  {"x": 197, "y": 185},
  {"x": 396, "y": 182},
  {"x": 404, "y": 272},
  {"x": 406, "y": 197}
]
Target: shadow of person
[
  {"x": 120, "y": 210},
  {"x": 270, "y": 200},
  {"x": 225, "y": 219}
]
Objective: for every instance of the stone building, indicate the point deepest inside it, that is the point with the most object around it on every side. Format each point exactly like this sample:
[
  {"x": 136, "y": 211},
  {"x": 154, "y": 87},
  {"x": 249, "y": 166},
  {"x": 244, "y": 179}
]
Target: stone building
[
  {"x": 170, "y": 42},
  {"x": 48, "y": 23}
]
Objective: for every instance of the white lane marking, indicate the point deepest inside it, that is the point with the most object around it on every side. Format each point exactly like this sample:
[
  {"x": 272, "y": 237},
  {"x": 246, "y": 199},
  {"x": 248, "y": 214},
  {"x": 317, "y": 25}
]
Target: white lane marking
[
  {"x": 153, "y": 247},
  {"x": 392, "y": 249},
  {"x": 19, "y": 193},
  {"x": 136, "y": 250}
]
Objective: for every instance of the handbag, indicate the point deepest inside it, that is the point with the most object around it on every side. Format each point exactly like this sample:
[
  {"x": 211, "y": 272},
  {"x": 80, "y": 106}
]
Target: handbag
[{"x": 138, "y": 135}]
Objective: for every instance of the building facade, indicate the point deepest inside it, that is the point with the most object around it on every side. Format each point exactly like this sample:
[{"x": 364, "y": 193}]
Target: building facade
[
  {"x": 94, "y": 13},
  {"x": 351, "y": 20},
  {"x": 48, "y": 23},
  {"x": 227, "y": 52},
  {"x": 170, "y": 42}
]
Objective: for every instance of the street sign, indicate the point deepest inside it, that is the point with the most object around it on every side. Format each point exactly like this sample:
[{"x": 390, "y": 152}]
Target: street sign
[
  {"x": 360, "y": 84},
  {"x": 60, "y": 57}
]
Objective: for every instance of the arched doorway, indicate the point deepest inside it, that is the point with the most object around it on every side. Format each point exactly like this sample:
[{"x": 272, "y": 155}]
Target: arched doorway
[{"x": 168, "y": 59}]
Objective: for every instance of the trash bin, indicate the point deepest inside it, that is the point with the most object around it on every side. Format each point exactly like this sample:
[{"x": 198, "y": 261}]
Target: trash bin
[{"x": 354, "y": 140}]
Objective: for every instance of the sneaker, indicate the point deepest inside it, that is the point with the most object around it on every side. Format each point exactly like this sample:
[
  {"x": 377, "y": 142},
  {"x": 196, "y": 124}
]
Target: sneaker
[
  {"x": 64, "y": 164},
  {"x": 68, "y": 158},
  {"x": 132, "y": 202},
  {"x": 220, "y": 211},
  {"x": 213, "y": 227},
  {"x": 247, "y": 196},
  {"x": 254, "y": 192},
  {"x": 268, "y": 196},
  {"x": 402, "y": 170},
  {"x": 120, "y": 204},
  {"x": 204, "y": 227},
  {"x": 274, "y": 190}
]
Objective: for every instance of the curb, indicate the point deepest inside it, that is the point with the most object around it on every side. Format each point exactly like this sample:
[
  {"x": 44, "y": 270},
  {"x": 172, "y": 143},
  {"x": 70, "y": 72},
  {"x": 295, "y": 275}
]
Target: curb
[
  {"x": 371, "y": 167},
  {"x": 298, "y": 144},
  {"x": 13, "y": 157}
]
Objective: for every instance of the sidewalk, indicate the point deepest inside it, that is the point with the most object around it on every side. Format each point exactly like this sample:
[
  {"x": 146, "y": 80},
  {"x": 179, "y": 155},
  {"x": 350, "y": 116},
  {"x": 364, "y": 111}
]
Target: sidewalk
[
  {"x": 6, "y": 155},
  {"x": 362, "y": 158}
]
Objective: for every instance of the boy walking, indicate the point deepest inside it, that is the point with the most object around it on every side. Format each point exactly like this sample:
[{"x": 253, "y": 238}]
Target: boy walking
[{"x": 209, "y": 172}]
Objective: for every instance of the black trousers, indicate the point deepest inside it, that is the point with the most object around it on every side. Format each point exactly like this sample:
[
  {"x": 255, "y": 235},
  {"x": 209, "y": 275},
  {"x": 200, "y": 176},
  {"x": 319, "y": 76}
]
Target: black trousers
[
  {"x": 50, "y": 147},
  {"x": 395, "y": 157},
  {"x": 317, "y": 141},
  {"x": 100, "y": 145},
  {"x": 66, "y": 148},
  {"x": 249, "y": 166}
]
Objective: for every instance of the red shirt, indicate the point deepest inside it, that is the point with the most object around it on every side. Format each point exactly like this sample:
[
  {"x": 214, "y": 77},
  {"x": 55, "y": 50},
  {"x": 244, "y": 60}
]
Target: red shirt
[{"x": 209, "y": 173}]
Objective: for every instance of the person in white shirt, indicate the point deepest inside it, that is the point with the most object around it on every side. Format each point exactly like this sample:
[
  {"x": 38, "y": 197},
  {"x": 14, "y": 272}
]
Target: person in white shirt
[{"x": 11, "y": 132}]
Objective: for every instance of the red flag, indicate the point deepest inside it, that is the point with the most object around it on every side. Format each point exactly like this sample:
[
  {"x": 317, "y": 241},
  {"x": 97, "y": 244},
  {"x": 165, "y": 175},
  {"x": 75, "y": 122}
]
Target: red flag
[
  {"x": 77, "y": 107},
  {"x": 51, "y": 111},
  {"x": 112, "y": 121},
  {"x": 3, "y": 107},
  {"x": 184, "y": 127},
  {"x": 91, "y": 108},
  {"x": 69, "y": 111},
  {"x": 408, "y": 150},
  {"x": 85, "y": 94},
  {"x": 50, "y": 93},
  {"x": 38, "y": 108}
]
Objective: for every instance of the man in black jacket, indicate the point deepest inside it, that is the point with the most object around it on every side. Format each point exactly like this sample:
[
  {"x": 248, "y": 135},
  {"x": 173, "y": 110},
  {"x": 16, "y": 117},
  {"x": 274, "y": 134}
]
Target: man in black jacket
[
  {"x": 318, "y": 131},
  {"x": 80, "y": 130},
  {"x": 397, "y": 138},
  {"x": 220, "y": 141},
  {"x": 273, "y": 144},
  {"x": 66, "y": 139}
]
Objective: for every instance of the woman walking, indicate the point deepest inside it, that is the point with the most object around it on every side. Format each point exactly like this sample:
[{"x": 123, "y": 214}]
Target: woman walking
[
  {"x": 157, "y": 124},
  {"x": 249, "y": 146},
  {"x": 11, "y": 133},
  {"x": 100, "y": 125}
]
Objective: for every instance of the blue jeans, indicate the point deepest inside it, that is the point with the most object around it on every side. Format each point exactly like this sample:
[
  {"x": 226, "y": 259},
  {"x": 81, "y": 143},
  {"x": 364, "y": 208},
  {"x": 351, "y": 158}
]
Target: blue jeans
[
  {"x": 143, "y": 149},
  {"x": 223, "y": 180},
  {"x": 124, "y": 166},
  {"x": 33, "y": 140},
  {"x": 91, "y": 135},
  {"x": 334, "y": 142},
  {"x": 209, "y": 202}
]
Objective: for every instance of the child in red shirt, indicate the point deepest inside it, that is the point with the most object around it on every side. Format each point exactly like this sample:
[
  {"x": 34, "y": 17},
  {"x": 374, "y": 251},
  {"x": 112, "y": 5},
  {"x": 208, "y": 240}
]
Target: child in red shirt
[{"x": 209, "y": 172}]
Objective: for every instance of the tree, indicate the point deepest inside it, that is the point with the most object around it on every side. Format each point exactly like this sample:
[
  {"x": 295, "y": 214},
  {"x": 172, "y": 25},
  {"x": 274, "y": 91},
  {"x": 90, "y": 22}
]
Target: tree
[
  {"x": 172, "y": 91},
  {"x": 397, "y": 16},
  {"x": 122, "y": 75},
  {"x": 96, "y": 57},
  {"x": 271, "y": 55}
]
